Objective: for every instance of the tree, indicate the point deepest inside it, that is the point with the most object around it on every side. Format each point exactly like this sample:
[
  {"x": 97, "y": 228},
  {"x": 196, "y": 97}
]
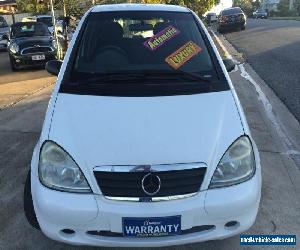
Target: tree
[
  {"x": 74, "y": 8},
  {"x": 200, "y": 6},
  {"x": 32, "y": 6},
  {"x": 256, "y": 5},
  {"x": 284, "y": 8},
  {"x": 297, "y": 6},
  {"x": 245, "y": 5}
]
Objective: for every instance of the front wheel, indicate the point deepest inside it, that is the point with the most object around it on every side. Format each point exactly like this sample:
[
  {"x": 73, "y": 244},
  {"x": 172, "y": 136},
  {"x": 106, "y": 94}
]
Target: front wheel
[
  {"x": 28, "y": 203},
  {"x": 12, "y": 64}
]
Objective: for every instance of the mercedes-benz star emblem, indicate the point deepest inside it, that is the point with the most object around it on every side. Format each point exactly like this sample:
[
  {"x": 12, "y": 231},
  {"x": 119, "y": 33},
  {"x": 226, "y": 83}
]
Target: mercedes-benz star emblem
[{"x": 151, "y": 184}]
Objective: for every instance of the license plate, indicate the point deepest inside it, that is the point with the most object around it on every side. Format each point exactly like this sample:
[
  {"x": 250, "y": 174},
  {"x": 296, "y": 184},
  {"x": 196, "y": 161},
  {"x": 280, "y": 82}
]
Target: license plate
[
  {"x": 38, "y": 57},
  {"x": 152, "y": 227}
]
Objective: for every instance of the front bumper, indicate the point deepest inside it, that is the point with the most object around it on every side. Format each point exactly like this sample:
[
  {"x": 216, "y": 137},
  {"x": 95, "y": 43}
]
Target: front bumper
[
  {"x": 24, "y": 61},
  {"x": 88, "y": 212},
  {"x": 232, "y": 25}
]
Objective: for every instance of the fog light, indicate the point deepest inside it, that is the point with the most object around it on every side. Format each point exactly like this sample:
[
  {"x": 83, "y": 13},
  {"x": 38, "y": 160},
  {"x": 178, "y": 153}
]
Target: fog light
[
  {"x": 68, "y": 231},
  {"x": 231, "y": 224}
]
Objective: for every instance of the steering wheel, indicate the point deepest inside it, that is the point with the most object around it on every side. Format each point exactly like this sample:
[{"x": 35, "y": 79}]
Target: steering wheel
[{"x": 114, "y": 48}]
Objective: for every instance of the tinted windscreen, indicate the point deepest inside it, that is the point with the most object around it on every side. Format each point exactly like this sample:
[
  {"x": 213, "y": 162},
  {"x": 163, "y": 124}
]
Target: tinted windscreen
[
  {"x": 141, "y": 48},
  {"x": 29, "y": 29},
  {"x": 231, "y": 11},
  {"x": 135, "y": 42}
]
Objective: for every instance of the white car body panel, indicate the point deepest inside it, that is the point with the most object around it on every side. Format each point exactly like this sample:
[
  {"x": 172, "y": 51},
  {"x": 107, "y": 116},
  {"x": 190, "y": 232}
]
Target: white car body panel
[
  {"x": 145, "y": 130},
  {"x": 97, "y": 131}
]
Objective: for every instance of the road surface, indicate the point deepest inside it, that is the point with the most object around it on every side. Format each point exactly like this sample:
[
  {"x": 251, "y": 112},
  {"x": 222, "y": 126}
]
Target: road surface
[
  {"x": 272, "y": 47},
  {"x": 7, "y": 75}
]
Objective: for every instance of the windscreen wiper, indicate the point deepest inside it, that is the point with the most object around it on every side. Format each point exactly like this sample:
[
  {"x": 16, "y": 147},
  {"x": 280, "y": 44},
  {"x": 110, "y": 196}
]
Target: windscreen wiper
[
  {"x": 193, "y": 76},
  {"x": 177, "y": 73},
  {"x": 111, "y": 77},
  {"x": 141, "y": 76}
]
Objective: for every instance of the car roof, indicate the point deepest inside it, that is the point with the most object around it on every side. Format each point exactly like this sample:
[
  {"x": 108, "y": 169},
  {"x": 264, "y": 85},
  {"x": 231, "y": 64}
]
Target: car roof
[
  {"x": 232, "y": 8},
  {"x": 139, "y": 7},
  {"x": 43, "y": 16},
  {"x": 38, "y": 16}
]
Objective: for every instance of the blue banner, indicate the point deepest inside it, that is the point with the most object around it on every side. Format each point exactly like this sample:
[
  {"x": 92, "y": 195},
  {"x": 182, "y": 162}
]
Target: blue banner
[{"x": 268, "y": 239}]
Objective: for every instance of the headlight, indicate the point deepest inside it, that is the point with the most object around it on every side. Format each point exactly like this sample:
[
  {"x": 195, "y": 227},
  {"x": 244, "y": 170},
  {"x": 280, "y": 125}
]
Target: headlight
[
  {"x": 57, "y": 170},
  {"x": 237, "y": 164},
  {"x": 14, "y": 48}
]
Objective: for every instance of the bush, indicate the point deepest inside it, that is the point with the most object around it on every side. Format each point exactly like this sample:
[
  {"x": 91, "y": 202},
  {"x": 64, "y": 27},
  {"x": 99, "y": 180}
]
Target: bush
[{"x": 273, "y": 13}]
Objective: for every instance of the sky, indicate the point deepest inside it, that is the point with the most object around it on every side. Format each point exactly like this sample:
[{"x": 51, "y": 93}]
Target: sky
[{"x": 222, "y": 5}]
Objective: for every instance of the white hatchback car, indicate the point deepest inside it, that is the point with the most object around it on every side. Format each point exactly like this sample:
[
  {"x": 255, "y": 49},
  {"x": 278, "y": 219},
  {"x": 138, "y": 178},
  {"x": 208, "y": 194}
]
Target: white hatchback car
[{"x": 144, "y": 142}]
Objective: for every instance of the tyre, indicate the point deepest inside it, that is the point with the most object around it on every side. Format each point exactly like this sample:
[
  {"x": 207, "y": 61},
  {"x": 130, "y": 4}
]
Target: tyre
[
  {"x": 12, "y": 64},
  {"x": 243, "y": 27},
  {"x": 28, "y": 203}
]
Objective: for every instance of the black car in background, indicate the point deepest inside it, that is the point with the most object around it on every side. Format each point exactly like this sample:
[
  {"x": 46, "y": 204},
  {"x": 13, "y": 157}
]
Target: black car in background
[
  {"x": 231, "y": 18},
  {"x": 260, "y": 13},
  {"x": 30, "y": 44}
]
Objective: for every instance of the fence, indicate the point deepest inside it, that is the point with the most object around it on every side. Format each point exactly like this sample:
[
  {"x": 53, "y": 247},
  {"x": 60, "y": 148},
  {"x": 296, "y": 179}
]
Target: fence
[{"x": 19, "y": 16}]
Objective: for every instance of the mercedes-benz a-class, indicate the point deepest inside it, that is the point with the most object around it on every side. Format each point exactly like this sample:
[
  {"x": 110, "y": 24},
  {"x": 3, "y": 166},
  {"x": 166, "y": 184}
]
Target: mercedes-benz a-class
[{"x": 144, "y": 142}]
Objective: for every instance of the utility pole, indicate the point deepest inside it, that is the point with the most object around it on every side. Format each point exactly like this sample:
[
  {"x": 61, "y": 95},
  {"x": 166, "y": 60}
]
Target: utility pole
[
  {"x": 291, "y": 5},
  {"x": 54, "y": 27},
  {"x": 66, "y": 24}
]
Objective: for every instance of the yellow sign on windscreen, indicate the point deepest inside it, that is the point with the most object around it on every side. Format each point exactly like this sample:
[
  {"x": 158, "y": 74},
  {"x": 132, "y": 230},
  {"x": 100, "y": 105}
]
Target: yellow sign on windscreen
[{"x": 183, "y": 54}]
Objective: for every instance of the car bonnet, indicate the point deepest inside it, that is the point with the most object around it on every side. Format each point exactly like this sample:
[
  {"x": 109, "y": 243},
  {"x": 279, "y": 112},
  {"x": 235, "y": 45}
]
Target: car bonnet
[{"x": 98, "y": 130}]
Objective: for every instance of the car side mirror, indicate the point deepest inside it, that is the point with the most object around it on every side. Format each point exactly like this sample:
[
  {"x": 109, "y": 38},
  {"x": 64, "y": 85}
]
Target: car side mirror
[
  {"x": 5, "y": 37},
  {"x": 229, "y": 64},
  {"x": 53, "y": 67}
]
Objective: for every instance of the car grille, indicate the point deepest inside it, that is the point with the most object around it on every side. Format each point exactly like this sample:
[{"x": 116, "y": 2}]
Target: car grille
[
  {"x": 129, "y": 184},
  {"x": 35, "y": 50}
]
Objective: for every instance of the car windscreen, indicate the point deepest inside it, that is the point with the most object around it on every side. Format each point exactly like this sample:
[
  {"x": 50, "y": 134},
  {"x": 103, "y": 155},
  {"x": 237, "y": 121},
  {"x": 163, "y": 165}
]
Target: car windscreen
[
  {"x": 3, "y": 22},
  {"x": 29, "y": 30},
  {"x": 231, "y": 11},
  {"x": 45, "y": 20},
  {"x": 142, "y": 47}
]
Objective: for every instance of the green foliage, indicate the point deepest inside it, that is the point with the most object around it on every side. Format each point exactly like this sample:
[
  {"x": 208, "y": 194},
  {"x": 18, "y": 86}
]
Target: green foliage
[
  {"x": 283, "y": 8},
  {"x": 297, "y": 6},
  {"x": 74, "y": 8},
  {"x": 256, "y": 5},
  {"x": 245, "y": 5},
  {"x": 32, "y": 6}
]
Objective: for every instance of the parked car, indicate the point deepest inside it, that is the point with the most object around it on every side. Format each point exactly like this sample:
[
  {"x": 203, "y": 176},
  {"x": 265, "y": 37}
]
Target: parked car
[
  {"x": 211, "y": 17},
  {"x": 4, "y": 29},
  {"x": 30, "y": 44},
  {"x": 231, "y": 18},
  {"x": 144, "y": 136},
  {"x": 260, "y": 13},
  {"x": 47, "y": 20}
]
